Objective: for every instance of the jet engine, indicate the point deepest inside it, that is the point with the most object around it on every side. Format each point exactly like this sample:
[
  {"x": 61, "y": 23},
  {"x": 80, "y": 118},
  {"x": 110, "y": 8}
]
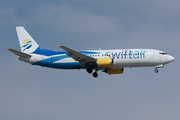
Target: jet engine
[
  {"x": 114, "y": 70},
  {"x": 105, "y": 62}
]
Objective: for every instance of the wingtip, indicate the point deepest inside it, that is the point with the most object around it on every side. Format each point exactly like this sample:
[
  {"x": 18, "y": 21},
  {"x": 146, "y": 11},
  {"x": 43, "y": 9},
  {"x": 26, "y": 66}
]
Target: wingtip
[
  {"x": 61, "y": 46},
  {"x": 8, "y": 48}
]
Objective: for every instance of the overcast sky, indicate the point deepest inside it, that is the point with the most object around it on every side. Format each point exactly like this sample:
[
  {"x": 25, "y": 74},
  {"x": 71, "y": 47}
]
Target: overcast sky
[{"x": 34, "y": 93}]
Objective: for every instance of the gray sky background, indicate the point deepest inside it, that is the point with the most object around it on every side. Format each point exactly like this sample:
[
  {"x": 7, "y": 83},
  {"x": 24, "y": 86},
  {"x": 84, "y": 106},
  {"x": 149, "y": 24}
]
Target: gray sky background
[{"x": 34, "y": 93}]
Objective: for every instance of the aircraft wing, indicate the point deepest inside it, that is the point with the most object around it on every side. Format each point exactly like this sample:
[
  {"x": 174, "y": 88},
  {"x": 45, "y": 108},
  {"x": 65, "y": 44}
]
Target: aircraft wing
[{"x": 77, "y": 56}]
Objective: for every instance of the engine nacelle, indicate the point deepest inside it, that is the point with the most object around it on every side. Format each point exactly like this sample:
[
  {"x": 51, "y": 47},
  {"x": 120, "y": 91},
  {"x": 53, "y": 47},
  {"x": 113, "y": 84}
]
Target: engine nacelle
[
  {"x": 114, "y": 70},
  {"x": 105, "y": 62}
]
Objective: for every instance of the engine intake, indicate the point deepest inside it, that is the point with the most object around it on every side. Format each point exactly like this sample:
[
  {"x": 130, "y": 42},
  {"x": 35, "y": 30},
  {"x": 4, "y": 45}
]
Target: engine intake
[{"x": 105, "y": 62}]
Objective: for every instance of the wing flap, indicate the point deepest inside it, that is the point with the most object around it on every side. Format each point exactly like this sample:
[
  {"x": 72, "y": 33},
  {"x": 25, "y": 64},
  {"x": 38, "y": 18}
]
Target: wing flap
[{"x": 18, "y": 53}]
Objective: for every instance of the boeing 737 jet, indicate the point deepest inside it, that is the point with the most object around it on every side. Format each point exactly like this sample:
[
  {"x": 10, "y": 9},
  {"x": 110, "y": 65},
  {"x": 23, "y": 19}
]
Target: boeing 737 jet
[{"x": 108, "y": 61}]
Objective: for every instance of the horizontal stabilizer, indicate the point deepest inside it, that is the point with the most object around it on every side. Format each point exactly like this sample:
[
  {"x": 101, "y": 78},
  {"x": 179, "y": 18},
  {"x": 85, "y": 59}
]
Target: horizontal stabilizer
[{"x": 18, "y": 53}]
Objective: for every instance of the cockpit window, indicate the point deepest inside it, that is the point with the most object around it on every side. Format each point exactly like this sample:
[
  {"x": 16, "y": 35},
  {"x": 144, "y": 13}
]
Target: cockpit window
[{"x": 162, "y": 53}]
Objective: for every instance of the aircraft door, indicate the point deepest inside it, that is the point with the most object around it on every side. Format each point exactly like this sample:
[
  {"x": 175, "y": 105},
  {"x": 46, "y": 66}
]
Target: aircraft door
[
  {"x": 151, "y": 55},
  {"x": 160, "y": 58}
]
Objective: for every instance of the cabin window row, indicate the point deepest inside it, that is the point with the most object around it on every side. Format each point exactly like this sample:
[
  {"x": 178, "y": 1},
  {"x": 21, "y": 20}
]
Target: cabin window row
[
  {"x": 59, "y": 56},
  {"x": 117, "y": 54},
  {"x": 102, "y": 55}
]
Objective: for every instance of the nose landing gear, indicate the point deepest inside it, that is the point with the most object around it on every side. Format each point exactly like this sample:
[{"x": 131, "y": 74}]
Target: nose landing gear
[
  {"x": 158, "y": 66},
  {"x": 156, "y": 70}
]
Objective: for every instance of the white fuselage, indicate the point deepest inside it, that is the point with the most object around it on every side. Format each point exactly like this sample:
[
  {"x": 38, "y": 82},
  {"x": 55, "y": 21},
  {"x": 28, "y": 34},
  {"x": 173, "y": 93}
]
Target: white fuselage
[{"x": 121, "y": 57}]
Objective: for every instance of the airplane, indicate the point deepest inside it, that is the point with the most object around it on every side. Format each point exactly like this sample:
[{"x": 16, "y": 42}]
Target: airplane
[{"x": 109, "y": 61}]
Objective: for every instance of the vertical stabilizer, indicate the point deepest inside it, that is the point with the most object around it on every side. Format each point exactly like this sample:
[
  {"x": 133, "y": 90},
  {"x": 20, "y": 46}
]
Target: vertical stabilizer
[{"x": 27, "y": 43}]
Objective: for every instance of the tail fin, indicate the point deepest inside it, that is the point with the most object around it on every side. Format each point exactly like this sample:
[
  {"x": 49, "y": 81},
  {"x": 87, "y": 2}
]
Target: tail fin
[{"x": 27, "y": 43}]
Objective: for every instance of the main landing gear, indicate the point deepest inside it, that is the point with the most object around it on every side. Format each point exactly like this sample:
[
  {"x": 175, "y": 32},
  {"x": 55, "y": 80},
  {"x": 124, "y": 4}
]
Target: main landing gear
[
  {"x": 89, "y": 70},
  {"x": 95, "y": 74}
]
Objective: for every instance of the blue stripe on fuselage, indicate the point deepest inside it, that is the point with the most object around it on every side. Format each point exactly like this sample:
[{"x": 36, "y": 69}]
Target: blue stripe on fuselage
[
  {"x": 72, "y": 65},
  {"x": 56, "y": 56},
  {"x": 69, "y": 65},
  {"x": 46, "y": 52}
]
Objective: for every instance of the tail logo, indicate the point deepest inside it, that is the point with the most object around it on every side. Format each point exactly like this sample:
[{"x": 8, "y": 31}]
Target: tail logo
[{"x": 27, "y": 44}]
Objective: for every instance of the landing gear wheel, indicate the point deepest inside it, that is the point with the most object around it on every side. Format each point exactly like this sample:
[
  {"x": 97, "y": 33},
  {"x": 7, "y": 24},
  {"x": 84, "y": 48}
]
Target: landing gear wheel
[
  {"x": 95, "y": 74},
  {"x": 89, "y": 70},
  {"x": 156, "y": 70}
]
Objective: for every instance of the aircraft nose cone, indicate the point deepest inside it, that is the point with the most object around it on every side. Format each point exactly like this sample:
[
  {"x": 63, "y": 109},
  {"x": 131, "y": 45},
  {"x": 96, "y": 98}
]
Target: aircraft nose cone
[{"x": 171, "y": 58}]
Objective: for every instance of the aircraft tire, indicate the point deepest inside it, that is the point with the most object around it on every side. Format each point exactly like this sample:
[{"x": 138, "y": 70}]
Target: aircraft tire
[
  {"x": 95, "y": 74},
  {"x": 89, "y": 70},
  {"x": 156, "y": 70}
]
